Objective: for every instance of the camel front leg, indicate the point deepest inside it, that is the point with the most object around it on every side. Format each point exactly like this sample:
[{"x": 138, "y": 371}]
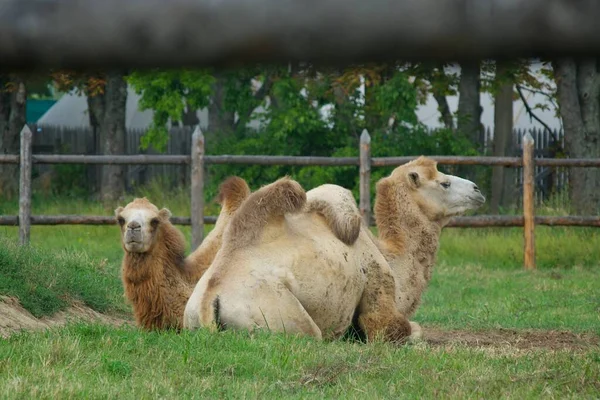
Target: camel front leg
[{"x": 378, "y": 316}]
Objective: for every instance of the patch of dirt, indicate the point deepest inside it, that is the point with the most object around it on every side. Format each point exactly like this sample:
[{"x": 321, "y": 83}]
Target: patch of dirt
[
  {"x": 14, "y": 318},
  {"x": 519, "y": 339}
]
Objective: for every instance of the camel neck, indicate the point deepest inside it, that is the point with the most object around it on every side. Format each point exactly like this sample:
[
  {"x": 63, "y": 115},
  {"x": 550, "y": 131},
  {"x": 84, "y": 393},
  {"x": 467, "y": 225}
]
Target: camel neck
[
  {"x": 152, "y": 266},
  {"x": 155, "y": 282},
  {"x": 404, "y": 230}
]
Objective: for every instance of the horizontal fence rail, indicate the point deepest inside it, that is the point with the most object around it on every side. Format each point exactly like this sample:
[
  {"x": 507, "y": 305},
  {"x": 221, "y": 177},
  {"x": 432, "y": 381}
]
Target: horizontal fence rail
[
  {"x": 155, "y": 33},
  {"x": 488, "y": 221},
  {"x": 102, "y": 160},
  {"x": 297, "y": 160},
  {"x": 198, "y": 159},
  {"x": 10, "y": 220},
  {"x": 480, "y": 221}
]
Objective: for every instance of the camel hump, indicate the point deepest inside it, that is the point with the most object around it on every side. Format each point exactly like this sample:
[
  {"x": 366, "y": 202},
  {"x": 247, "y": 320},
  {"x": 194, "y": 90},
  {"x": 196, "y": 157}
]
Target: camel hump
[
  {"x": 263, "y": 206},
  {"x": 337, "y": 205},
  {"x": 232, "y": 193}
]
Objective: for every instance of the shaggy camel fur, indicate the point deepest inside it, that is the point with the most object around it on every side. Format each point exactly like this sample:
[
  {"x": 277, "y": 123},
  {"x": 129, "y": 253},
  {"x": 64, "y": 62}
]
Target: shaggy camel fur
[
  {"x": 283, "y": 269},
  {"x": 412, "y": 206},
  {"x": 157, "y": 278}
]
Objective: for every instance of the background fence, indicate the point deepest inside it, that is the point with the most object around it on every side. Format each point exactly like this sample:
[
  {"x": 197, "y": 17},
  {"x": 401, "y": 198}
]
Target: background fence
[
  {"x": 51, "y": 139},
  {"x": 198, "y": 158},
  {"x": 550, "y": 181}
]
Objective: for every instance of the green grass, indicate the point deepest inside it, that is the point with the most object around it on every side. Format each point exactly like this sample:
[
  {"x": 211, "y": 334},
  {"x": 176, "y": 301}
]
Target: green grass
[
  {"x": 556, "y": 247},
  {"x": 89, "y": 361},
  {"x": 478, "y": 284},
  {"x": 46, "y": 282},
  {"x": 479, "y": 298}
]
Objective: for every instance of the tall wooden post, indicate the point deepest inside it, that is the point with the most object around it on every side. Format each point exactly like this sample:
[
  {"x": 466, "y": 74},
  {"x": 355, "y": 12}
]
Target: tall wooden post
[
  {"x": 197, "y": 177},
  {"x": 528, "y": 201},
  {"x": 25, "y": 162},
  {"x": 365, "y": 176}
]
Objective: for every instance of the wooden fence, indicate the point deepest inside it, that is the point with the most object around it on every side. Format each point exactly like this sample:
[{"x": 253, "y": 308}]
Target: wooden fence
[
  {"x": 551, "y": 182},
  {"x": 55, "y": 139},
  {"x": 198, "y": 159},
  {"x": 52, "y": 139}
]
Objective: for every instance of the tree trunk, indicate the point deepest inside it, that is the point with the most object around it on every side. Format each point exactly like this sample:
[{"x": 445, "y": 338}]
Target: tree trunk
[
  {"x": 12, "y": 119},
  {"x": 221, "y": 122},
  {"x": 503, "y": 124},
  {"x": 578, "y": 90},
  {"x": 469, "y": 105},
  {"x": 468, "y": 114},
  {"x": 444, "y": 109},
  {"x": 108, "y": 110},
  {"x": 190, "y": 116}
]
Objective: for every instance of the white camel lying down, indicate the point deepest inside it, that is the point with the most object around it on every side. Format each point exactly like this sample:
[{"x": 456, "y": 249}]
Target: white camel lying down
[{"x": 302, "y": 263}]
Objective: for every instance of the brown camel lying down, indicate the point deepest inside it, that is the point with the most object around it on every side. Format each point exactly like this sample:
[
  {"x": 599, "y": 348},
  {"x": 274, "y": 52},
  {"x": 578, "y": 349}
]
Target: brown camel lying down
[
  {"x": 157, "y": 277},
  {"x": 281, "y": 266}
]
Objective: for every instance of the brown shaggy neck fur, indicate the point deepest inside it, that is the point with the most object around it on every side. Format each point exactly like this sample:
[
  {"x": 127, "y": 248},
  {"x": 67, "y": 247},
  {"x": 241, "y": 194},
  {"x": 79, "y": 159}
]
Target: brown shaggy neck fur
[
  {"x": 407, "y": 237},
  {"x": 156, "y": 283},
  {"x": 401, "y": 223}
]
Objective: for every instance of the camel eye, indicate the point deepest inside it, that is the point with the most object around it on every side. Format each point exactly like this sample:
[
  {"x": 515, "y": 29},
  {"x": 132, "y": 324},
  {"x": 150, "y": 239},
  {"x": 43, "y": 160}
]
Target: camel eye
[
  {"x": 445, "y": 185},
  {"x": 121, "y": 221},
  {"x": 154, "y": 222}
]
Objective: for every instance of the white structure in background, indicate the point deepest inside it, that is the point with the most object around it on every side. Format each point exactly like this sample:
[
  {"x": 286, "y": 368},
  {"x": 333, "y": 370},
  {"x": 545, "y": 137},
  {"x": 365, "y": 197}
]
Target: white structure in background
[
  {"x": 72, "y": 111},
  {"x": 430, "y": 116}
]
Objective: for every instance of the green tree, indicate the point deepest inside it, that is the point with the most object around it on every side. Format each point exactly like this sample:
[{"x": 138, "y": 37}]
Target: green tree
[{"x": 305, "y": 110}]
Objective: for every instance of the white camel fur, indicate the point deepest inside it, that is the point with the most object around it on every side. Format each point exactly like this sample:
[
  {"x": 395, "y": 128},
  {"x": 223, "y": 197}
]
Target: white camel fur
[{"x": 303, "y": 263}]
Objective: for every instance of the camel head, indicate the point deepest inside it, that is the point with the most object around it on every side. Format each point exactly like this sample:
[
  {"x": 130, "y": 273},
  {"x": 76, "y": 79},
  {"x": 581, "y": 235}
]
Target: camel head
[
  {"x": 439, "y": 196},
  {"x": 140, "y": 223}
]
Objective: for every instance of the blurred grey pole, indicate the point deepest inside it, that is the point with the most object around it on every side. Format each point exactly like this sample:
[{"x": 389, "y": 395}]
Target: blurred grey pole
[{"x": 194, "y": 33}]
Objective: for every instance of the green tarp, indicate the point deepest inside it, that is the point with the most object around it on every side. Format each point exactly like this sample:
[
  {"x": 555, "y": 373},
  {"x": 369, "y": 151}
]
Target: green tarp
[{"x": 37, "y": 108}]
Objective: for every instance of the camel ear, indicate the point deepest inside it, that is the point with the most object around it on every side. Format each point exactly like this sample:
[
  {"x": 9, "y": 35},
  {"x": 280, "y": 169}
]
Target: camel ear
[
  {"x": 164, "y": 214},
  {"x": 118, "y": 211},
  {"x": 414, "y": 179}
]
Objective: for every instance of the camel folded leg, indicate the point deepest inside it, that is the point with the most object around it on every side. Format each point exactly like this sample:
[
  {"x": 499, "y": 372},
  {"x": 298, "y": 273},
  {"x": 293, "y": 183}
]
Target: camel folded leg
[
  {"x": 378, "y": 316},
  {"x": 338, "y": 207}
]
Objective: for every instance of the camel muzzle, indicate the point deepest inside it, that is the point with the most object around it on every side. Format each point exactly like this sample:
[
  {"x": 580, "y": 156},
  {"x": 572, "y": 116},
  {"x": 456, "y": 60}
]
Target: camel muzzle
[
  {"x": 478, "y": 199},
  {"x": 133, "y": 236}
]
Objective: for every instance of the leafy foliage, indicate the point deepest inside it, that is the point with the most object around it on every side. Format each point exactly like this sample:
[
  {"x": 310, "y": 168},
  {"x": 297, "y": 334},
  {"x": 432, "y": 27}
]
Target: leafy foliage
[
  {"x": 91, "y": 84},
  {"x": 169, "y": 94},
  {"x": 301, "y": 110}
]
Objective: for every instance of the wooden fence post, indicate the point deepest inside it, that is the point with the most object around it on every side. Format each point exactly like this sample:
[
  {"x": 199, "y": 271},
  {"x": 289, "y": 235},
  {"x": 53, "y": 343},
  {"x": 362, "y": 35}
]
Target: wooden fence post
[
  {"x": 25, "y": 162},
  {"x": 365, "y": 176},
  {"x": 197, "y": 177},
  {"x": 528, "y": 201}
]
